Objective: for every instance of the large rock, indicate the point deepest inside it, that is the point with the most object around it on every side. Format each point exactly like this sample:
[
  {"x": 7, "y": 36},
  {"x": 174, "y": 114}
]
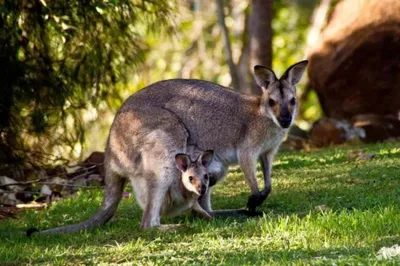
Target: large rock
[{"x": 355, "y": 68}]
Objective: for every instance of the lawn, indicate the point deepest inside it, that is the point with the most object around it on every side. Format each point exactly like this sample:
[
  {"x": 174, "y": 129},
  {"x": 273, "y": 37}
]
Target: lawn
[{"x": 325, "y": 208}]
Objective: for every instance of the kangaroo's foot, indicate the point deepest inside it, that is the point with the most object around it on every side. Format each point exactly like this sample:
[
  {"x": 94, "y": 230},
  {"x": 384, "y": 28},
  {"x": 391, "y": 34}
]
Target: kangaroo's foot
[
  {"x": 236, "y": 213},
  {"x": 256, "y": 200}
]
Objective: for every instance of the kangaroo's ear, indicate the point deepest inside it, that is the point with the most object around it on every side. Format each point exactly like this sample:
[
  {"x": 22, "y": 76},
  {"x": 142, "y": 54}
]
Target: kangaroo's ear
[
  {"x": 294, "y": 73},
  {"x": 182, "y": 161},
  {"x": 206, "y": 158},
  {"x": 264, "y": 76}
]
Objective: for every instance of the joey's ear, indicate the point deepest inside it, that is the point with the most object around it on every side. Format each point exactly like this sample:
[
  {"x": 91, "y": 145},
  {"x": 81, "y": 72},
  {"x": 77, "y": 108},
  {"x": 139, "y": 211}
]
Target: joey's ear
[
  {"x": 294, "y": 73},
  {"x": 182, "y": 161},
  {"x": 264, "y": 76},
  {"x": 206, "y": 158}
]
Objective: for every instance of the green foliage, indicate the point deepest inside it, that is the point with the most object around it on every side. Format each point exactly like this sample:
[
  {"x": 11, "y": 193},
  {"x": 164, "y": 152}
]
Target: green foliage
[
  {"x": 324, "y": 209},
  {"x": 68, "y": 65},
  {"x": 290, "y": 25},
  {"x": 197, "y": 51},
  {"x": 61, "y": 57}
]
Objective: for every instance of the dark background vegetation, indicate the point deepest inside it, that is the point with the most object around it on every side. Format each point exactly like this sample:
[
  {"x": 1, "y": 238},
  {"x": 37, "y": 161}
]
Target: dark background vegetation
[{"x": 66, "y": 66}]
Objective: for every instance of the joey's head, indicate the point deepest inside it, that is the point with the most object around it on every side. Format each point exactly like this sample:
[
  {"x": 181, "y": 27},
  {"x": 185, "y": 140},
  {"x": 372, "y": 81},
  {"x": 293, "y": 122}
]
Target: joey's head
[
  {"x": 194, "y": 174},
  {"x": 279, "y": 95}
]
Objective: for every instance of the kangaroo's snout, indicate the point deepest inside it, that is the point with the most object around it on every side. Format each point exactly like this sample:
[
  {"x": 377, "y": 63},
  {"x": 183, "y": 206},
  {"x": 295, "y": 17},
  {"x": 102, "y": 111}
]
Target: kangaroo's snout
[
  {"x": 201, "y": 189},
  {"x": 285, "y": 121}
]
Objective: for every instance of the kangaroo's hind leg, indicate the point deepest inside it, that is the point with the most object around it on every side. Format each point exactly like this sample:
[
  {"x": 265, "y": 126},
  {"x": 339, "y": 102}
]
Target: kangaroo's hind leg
[
  {"x": 152, "y": 206},
  {"x": 159, "y": 142},
  {"x": 157, "y": 189}
]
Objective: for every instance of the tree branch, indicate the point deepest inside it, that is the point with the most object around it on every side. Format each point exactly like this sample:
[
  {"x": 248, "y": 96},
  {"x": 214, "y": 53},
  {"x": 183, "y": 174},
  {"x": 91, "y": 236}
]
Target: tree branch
[{"x": 227, "y": 44}]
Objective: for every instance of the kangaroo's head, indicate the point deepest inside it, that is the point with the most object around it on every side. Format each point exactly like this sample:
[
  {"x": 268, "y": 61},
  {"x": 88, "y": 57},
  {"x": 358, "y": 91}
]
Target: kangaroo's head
[
  {"x": 194, "y": 174},
  {"x": 279, "y": 95}
]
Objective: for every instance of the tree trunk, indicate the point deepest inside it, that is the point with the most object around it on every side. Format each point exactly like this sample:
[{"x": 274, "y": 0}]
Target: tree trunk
[
  {"x": 257, "y": 45},
  {"x": 355, "y": 67},
  {"x": 244, "y": 72},
  {"x": 260, "y": 36}
]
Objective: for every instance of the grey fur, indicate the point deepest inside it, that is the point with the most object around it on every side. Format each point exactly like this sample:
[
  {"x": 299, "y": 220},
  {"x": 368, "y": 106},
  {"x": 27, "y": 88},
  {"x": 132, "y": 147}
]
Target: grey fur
[
  {"x": 176, "y": 116},
  {"x": 182, "y": 194}
]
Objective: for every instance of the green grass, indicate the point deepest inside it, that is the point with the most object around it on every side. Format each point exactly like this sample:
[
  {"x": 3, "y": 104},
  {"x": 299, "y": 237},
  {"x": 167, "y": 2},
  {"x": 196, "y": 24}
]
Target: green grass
[{"x": 360, "y": 214}]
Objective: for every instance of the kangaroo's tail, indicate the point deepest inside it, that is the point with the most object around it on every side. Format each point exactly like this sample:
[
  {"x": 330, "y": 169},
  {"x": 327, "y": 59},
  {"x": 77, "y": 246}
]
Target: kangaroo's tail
[{"x": 112, "y": 196}]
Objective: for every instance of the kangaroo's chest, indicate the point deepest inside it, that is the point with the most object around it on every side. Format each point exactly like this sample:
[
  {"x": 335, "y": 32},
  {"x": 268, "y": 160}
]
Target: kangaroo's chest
[{"x": 272, "y": 141}]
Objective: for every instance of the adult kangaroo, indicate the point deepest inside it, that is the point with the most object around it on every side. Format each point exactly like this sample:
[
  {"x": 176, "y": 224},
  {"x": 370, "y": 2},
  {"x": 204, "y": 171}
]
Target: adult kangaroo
[
  {"x": 173, "y": 116},
  {"x": 239, "y": 128}
]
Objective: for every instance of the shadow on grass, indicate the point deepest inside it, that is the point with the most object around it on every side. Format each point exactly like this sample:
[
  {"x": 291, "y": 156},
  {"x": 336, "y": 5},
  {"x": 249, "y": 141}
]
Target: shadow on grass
[
  {"x": 387, "y": 242},
  {"x": 350, "y": 191},
  {"x": 362, "y": 187},
  {"x": 293, "y": 255}
]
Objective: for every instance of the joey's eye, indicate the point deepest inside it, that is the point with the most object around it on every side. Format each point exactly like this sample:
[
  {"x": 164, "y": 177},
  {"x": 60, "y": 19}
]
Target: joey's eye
[
  {"x": 191, "y": 178},
  {"x": 293, "y": 101},
  {"x": 206, "y": 177},
  {"x": 271, "y": 102}
]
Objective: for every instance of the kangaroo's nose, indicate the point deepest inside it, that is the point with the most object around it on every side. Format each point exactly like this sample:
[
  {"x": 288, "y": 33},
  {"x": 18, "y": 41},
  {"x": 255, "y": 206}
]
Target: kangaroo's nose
[{"x": 285, "y": 121}]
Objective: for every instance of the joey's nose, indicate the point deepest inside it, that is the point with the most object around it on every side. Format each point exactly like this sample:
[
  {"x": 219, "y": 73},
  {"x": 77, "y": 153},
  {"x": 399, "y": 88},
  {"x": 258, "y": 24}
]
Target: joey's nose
[{"x": 285, "y": 121}]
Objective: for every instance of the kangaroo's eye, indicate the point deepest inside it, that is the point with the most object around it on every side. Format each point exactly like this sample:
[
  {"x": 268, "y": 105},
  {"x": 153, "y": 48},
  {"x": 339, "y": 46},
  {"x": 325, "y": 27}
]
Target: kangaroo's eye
[
  {"x": 293, "y": 101},
  {"x": 191, "y": 178},
  {"x": 271, "y": 102},
  {"x": 206, "y": 177}
]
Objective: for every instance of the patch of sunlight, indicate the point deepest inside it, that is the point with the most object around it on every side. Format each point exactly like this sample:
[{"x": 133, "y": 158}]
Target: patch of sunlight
[
  {"x": 312, "y": 111},
  {"x": 304, "y": 125}
]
